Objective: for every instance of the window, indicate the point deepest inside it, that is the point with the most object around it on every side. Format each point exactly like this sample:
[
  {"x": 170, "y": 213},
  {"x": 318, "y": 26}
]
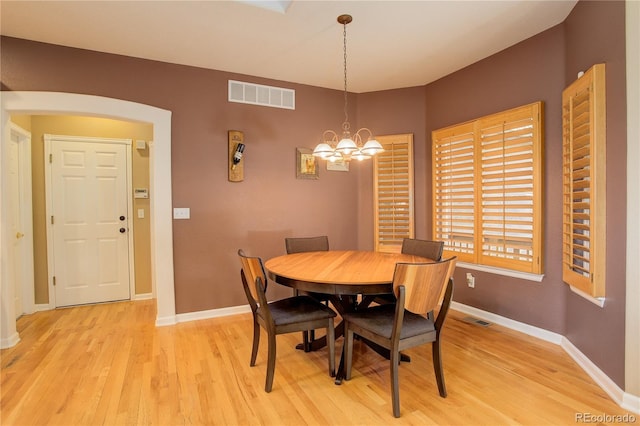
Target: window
[
  {"x": 583, "y": 180},
  {"x": 487, "y": 189},
  {"x": 393, "y": 192}
]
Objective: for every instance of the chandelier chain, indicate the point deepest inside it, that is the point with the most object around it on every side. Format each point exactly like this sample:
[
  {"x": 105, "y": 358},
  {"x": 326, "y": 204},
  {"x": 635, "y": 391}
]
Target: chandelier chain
[{"x": 345, "y": 125}]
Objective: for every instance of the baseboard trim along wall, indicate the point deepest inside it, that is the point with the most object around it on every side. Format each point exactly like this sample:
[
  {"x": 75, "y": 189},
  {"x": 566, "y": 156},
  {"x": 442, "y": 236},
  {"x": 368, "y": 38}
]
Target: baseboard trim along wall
[{"x": 625, "y": 400}]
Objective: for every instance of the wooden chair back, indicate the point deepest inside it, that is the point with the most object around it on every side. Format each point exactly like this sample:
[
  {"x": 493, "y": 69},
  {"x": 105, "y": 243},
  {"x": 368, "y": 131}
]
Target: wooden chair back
[
  {"x": 424, "y": 284},
  {"x": 252, "y": 268},
  {"x": 304, "y": 244},
  {"x": 424, "y": 248}
]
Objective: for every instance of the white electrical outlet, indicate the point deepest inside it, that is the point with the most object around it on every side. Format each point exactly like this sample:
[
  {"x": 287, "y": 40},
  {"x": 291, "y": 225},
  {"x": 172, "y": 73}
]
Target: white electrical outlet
[{"x": 471, "y": 280}]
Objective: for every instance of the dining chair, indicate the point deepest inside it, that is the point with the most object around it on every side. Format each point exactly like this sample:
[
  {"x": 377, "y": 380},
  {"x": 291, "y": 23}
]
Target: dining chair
[
  {"x": 288, "y": 315},
  {"x": 304, "y": 244},
  {"x": 419, "y": 288},
  {"x": 424, "y": 248},
  {"x": 301, "y": 245}
]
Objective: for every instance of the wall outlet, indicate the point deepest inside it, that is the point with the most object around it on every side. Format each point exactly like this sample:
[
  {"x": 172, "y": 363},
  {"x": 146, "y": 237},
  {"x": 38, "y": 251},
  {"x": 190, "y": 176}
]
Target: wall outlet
[{"x": 471, "y": 280}]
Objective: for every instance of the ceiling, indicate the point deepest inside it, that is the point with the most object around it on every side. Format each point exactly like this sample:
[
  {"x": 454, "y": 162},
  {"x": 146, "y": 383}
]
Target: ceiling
[{"x": 390, "y": 44}]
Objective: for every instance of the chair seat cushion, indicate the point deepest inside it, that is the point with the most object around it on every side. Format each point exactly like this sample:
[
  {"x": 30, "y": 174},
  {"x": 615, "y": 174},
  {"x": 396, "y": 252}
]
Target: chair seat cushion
[
  {"x": 379, "y": 320},
  {"x": 298, "y": 309}
]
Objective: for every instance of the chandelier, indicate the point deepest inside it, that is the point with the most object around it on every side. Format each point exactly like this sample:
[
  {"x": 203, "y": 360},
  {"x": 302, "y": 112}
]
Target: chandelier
[{"x": 334, "y": 148}]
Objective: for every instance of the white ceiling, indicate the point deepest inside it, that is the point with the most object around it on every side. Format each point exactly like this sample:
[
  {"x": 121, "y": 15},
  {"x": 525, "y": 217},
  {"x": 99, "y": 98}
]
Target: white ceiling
[{"x": 390, "y": 44}]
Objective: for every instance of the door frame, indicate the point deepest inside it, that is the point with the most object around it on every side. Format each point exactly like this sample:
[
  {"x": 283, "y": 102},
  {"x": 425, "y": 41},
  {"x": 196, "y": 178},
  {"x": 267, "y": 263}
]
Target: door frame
[
  {"x": 48, "y": 140},
  {"x": 56, "y": 103},
  {"x": 26, "y": 219}
]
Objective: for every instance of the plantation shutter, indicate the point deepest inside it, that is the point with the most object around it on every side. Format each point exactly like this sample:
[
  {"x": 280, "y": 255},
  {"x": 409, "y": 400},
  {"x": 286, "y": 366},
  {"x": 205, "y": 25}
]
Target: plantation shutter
[
  {"x": 584, "y": 185},
  {"x": 393, "y": 193},
  {"x": 453, "y": 190},
  {"x": 487, "y": 189},
  {"x": 510, "y": 180}
]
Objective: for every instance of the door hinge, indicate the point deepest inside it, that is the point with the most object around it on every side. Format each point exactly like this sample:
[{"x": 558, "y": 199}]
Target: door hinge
[
  {"x": 52, "y": 220},
  {"x": 54, "y": 280},
  {"x": 50, "y": 158}
]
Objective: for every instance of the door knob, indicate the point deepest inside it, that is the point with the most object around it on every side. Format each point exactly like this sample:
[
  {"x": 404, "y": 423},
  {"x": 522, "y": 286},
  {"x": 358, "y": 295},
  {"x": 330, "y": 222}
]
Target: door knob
[
  {"x": 19, "y": 235},
  {"x": 122, "y": 230},
  {"x": 121, "y": 217}
]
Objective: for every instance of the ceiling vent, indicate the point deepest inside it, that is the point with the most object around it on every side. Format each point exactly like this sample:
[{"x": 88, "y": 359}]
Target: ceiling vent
[{"x": 257, "y": 94}]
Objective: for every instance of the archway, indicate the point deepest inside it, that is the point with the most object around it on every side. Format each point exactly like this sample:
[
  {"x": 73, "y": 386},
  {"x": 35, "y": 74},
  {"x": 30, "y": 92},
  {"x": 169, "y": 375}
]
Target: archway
[{"x": 160, "y": 187}]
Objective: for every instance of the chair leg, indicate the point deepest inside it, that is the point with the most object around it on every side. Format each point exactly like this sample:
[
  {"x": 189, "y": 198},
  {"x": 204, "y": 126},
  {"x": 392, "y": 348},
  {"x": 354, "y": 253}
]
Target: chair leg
[
  {"x": 271, "y": 362},
  {"x": 331, "y": 343},
  {"x": 437, "y": 367},
  {"x": 256, "y": 342},
  {"x": 395, "y": 391},
  {"x": 347, "y": 351},
  {"x": 306, "y": 343}
]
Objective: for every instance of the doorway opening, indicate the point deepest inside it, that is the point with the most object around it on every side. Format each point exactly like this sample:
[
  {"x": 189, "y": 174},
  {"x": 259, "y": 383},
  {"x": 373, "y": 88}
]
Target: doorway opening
[{"x": 24, "y": 103}]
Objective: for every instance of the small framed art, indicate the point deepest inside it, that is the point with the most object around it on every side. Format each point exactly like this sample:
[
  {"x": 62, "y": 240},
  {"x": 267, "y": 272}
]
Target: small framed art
[
  {"x": 338, "y": 166},
  {"x": 306, "y": 164}
]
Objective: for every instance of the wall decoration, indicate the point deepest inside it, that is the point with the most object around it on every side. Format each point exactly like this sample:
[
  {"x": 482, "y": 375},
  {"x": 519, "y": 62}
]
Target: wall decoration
[
  {"x": 306, "y": 164},
  {"x": 338, "y": 165}
]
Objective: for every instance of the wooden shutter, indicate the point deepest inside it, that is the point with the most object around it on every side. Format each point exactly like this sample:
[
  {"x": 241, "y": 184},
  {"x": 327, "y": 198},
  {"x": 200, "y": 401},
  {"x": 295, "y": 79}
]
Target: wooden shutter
[
  {"x": 454, "y": 170},
  {"x": 584, "y": 184},
  {"x": 393, "y": 193},
  {"x": 510, "y": 179},
  {"x": 487, "y": 189}
]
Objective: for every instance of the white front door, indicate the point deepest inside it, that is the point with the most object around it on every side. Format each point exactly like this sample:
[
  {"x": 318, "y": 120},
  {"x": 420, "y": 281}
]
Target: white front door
[{"x": 89, "y": 224}]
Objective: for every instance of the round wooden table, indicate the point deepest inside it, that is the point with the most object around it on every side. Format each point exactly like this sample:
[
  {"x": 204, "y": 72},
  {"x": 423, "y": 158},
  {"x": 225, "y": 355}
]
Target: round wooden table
[
  {"x": 348, "y": 272},
  {"x": 342, "y": 275}
]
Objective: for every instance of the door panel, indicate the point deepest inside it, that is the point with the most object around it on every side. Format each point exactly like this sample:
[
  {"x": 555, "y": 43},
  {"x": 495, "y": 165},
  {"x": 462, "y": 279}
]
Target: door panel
[{"x": 90, "y": 241}]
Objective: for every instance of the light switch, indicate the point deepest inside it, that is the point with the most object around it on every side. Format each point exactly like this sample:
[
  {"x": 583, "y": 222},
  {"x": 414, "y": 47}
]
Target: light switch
[
  {"x": 140, "y": 213},
  {"x": 181, "y": 213}
]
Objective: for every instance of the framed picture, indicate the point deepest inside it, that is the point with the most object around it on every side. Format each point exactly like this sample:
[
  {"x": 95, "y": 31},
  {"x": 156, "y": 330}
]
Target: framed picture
[
  {"x": 306, "y": 164},
  {"x": 338, "y": 165}
]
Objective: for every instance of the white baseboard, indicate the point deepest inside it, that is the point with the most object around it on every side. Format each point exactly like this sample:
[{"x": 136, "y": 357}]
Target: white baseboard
[
  {"x": 10, "y": 341},
  {"x": 143, "y": 296},
  {"x": 530, "y": 330},
  {"x": 625, "y": 400},
  {"x": 213, "y": 313}
]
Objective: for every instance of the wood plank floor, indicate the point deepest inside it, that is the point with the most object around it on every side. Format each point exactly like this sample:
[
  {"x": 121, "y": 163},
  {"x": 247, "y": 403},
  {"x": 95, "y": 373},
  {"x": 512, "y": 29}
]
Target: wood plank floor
[{"x": 109, "y": 365}]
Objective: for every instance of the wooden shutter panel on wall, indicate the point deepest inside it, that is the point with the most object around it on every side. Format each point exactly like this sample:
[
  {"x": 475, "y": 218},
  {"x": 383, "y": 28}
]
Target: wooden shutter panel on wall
[
  {"x": 393, "y": 193},
  {"x": 584, "y": 184},
  {"x": 454, "y": 168},
  {"x": 511, "y": 184}
]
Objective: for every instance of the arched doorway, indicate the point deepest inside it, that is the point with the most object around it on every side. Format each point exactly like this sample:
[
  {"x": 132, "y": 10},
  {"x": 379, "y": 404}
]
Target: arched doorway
[{"x": 160, "y": 187}]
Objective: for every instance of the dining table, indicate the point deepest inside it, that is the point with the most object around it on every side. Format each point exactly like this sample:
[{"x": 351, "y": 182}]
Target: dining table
[{"x": 350, "y": 278}]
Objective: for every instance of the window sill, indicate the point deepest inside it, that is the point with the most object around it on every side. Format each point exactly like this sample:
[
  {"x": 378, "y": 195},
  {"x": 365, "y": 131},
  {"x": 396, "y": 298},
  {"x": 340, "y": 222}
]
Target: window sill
[
  {"x": 595, "y": 300},
  {"x": 501, "y": 271}
]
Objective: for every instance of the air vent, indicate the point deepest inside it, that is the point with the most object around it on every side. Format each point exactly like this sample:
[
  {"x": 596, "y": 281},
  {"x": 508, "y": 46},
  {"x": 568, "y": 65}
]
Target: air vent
[
  {"x": 472, "y": 320},
  {"x": 257, "y": 94}
]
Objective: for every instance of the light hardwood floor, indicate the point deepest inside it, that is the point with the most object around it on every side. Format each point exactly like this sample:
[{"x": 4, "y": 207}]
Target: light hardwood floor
[{"x": 108, "y": 364}]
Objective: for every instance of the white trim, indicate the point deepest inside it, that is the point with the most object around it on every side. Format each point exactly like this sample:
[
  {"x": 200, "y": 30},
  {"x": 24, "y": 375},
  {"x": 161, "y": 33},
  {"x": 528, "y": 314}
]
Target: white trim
[
  {"x": 527, "y": 329},
  {"x": 142, "y": 296},
  {"x": 213, "y": 313},
  {"x": 160, "y": 180},
  {"x": 595, "y": 300},
  {"x": 40, "y": 307},
  {"x": 501, "y": 271},
  {"x": 625, "y": 400},
  {"x": 632, "y": 313},
  {"x": 8, "y": 342}
]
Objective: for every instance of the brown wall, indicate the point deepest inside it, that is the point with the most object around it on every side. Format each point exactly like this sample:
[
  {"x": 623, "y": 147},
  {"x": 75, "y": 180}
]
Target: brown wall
[
  {"x": 271, "y": 204},
  {"x": 595, "y": 33},
  {"x": 539, "y": 69},
  {"x": 255, "y": 214},
  {"x": 527, "y": 72}
]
